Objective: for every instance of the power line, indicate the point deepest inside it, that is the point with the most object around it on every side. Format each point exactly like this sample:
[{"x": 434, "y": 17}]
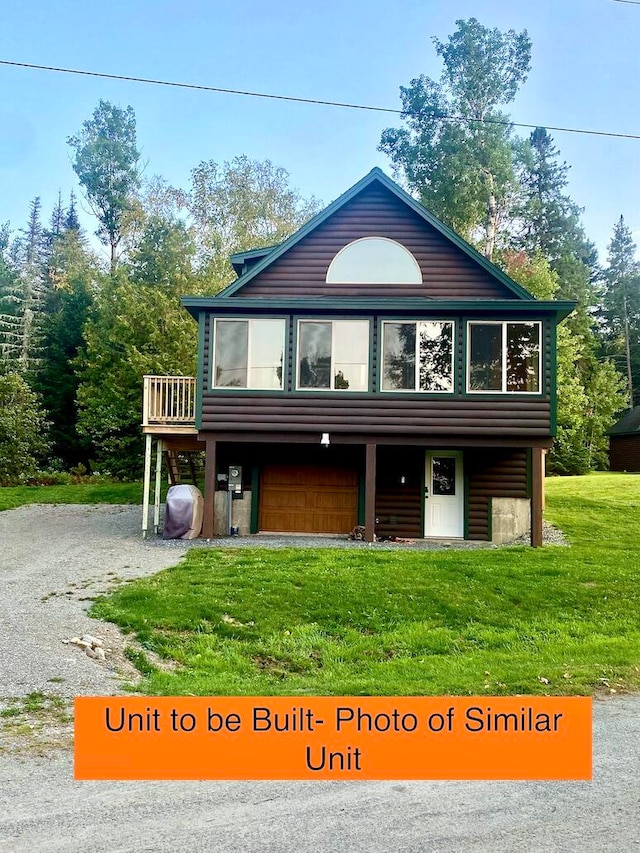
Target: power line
[
  {"x": 630, "y": 2},
  {"x": 318, "y": 101}
]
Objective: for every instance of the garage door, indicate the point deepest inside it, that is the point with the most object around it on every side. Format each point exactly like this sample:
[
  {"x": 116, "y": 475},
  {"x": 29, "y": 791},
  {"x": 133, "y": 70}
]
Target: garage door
[{"x": 308, "y": 499}]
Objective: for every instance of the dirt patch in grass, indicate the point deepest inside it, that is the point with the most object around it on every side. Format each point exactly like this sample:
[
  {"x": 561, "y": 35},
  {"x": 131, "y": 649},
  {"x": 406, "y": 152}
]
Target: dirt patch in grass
[{"x": 38, "y": 724}]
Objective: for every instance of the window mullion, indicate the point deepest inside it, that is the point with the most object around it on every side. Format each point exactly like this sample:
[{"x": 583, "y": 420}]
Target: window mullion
[
  {"x": 416, "y": 378},
  {"x": 504, "y": 358},
  {"x": 249, "y": 353},
  {"x": 333, "y": 355}
]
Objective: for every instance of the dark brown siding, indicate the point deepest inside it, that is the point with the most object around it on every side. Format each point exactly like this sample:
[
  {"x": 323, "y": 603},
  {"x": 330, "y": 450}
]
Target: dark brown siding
[
  {"x": 399, "y": 505},
  {"x": 624, "y": 452},
  {"x": 377, "y": 415},
  {"x": 447, "y": 272},
  {"x": 492, "y": 474}
]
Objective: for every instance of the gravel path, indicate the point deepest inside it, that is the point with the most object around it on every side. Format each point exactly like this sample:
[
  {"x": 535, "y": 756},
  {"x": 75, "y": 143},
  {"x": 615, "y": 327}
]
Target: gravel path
[{"x": 54, "y": 560}]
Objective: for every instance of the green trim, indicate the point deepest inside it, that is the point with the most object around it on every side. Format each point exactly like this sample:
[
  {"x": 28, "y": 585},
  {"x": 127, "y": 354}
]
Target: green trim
[
  {"x": 361, "y": 497},
  {"x": 528, "y": 492},
  {"x": 202, "y": 319},
  {"x": 255, "y": 496},
  {"x": 553, "y": 390},
  {"x": 378, "y": 175},
  {"x": 419, "y": 307}
]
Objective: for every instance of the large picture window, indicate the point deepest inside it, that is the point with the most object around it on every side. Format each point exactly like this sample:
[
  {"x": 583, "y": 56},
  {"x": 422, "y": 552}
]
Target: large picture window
[
  {"x": 417, "y": 356},
  {"x": 248, "y": 354},
  {"x": 333, "y": 355},
  {"x": 504, "y": 357}
]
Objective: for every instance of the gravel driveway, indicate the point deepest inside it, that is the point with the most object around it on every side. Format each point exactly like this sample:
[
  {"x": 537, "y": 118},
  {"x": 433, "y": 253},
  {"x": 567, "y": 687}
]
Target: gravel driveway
[{"x": 53, "y": 561}]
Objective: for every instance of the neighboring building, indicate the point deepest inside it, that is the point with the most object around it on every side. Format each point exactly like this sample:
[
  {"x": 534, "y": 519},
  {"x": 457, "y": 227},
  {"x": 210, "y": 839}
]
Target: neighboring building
[
  {"x": 624, "y": 442},
  {"x": 374, "y": 369}
]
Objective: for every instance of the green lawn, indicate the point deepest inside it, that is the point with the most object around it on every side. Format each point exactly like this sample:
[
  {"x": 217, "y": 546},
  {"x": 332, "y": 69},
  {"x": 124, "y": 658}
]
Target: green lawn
[
  {"x": 87, "y": 493},
  {"x": 515, "y": 620}
]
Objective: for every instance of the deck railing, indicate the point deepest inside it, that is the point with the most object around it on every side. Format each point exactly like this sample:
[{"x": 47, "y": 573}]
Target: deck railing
[{"x": 169, "y": 400}]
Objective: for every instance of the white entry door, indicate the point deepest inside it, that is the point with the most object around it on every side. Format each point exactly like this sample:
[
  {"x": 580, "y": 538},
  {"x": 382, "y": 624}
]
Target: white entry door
[{"x": 444, "y": 494}]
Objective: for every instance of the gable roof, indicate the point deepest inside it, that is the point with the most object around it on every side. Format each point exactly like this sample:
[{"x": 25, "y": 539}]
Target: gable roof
[
  {"x": 629, "y": 424},
  {"x": 378, "y": 175}
]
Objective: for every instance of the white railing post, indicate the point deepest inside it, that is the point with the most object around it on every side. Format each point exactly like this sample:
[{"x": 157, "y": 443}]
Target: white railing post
[{"x": 145, "y": 400}]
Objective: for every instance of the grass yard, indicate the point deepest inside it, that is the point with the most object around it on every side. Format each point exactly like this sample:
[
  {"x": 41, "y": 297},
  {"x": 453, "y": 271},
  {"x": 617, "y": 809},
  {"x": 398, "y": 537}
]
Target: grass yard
[
  {"x": 305, "y": 621},
  {"x": 85, "y": 493}
]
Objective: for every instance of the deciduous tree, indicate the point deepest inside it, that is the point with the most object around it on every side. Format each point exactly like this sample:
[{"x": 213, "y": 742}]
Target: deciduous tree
[{"x": 107, "y": 165}]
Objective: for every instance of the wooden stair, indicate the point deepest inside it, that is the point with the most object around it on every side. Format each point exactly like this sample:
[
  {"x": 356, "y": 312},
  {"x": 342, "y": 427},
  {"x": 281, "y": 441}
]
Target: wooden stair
[{"x": 186, "y": 466}]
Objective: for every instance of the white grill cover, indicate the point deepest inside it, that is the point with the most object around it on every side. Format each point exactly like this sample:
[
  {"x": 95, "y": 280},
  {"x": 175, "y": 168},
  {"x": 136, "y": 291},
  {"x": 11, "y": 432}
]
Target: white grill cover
[{"x": 183, "y": 513}]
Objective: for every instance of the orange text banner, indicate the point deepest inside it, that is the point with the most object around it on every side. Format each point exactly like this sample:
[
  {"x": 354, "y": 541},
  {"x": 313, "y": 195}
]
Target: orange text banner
[{"x": 524, "y": 737}]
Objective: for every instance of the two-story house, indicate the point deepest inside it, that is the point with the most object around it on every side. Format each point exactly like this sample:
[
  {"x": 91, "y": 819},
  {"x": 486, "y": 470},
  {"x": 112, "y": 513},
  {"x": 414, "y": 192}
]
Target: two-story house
[{"x": 375, "y": 369}]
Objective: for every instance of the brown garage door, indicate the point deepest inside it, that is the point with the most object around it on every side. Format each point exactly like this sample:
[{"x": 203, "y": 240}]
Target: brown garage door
[{"x": 308, "y": 499}]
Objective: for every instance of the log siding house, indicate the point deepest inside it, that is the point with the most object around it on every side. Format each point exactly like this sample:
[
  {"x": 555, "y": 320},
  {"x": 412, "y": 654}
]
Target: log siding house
[{"x": 375, "y": 370}]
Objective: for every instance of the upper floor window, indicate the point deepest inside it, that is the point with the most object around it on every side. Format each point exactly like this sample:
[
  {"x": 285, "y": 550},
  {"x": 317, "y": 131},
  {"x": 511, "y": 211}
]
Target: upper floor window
[
  {"x": 249, "y": 354},
  {"x": 374, "y": 260},
  {"x": 504, "y": 357},
  {"x": 417, "y": 356},
  {"x": 333, "y": 355}
]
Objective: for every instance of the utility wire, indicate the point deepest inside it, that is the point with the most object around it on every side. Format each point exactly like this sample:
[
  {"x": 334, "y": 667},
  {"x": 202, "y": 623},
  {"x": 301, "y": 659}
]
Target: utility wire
[
  {"x": 317, "y": 101},
  {"x": 630, "y": 2}
]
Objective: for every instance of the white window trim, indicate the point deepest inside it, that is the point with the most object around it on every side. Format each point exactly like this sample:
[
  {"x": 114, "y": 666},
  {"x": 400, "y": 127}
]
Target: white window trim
[
  {"x": 247, "y": 387},
  {"x": 504, "y": 324},
  {"x": 332, "y": 388},
  {"x": 416, "y": 389}
]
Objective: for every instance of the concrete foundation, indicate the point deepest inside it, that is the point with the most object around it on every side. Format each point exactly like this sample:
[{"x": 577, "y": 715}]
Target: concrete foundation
[
  {"x": 241, "y": 516},
  {"x": 510, "y": 519}
]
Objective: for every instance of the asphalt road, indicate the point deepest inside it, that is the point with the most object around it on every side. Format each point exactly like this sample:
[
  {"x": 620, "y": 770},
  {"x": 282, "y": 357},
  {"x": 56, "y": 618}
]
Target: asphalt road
[{"x": 43, "y": 809}]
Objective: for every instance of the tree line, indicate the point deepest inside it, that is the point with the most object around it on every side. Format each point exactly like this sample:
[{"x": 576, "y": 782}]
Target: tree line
[{"x": 79, "y": 328}]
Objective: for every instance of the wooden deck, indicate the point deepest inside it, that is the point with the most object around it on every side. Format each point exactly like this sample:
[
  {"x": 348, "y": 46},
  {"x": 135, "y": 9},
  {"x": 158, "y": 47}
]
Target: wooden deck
[{"x": 169, "y": 406}]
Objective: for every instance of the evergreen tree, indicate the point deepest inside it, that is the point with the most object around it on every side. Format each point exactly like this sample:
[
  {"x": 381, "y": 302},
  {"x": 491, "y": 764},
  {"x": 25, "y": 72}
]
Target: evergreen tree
[
  {"x": 71, "y": 221},
  {"x": 547, "y": 213},
  {"x": 621, "y": 304},
  {"x": 22, "y": 299},
  {"x": 72, "y": 271}
]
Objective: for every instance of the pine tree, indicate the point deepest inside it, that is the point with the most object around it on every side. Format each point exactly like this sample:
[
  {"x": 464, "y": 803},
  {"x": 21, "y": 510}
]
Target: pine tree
[
  {"x": 71, "y": 221},
  {"x": 621, "y": 303},
  {"x": 22, "y": 300}
]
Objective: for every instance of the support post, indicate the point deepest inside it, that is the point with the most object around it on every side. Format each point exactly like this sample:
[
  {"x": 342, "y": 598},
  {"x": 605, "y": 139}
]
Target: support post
[
  {"x": 537, "y": 487},
  {"x": 146, "y": 485},
  {"x": 209, "y": 488},
  {"x": 156, "y": 496},
  {"x": 370, "y": 494}
]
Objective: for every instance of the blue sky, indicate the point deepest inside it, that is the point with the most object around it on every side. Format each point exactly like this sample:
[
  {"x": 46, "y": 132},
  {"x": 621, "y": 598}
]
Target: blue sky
[{"x": 586, "y": 64}]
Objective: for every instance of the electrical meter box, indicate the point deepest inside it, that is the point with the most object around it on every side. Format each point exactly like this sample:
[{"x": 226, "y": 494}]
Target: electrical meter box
[{"x": 235, "y": 479}]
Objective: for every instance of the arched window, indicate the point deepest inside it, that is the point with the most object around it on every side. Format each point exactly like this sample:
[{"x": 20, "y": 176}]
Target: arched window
[{"x": 374, "y": 260}]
